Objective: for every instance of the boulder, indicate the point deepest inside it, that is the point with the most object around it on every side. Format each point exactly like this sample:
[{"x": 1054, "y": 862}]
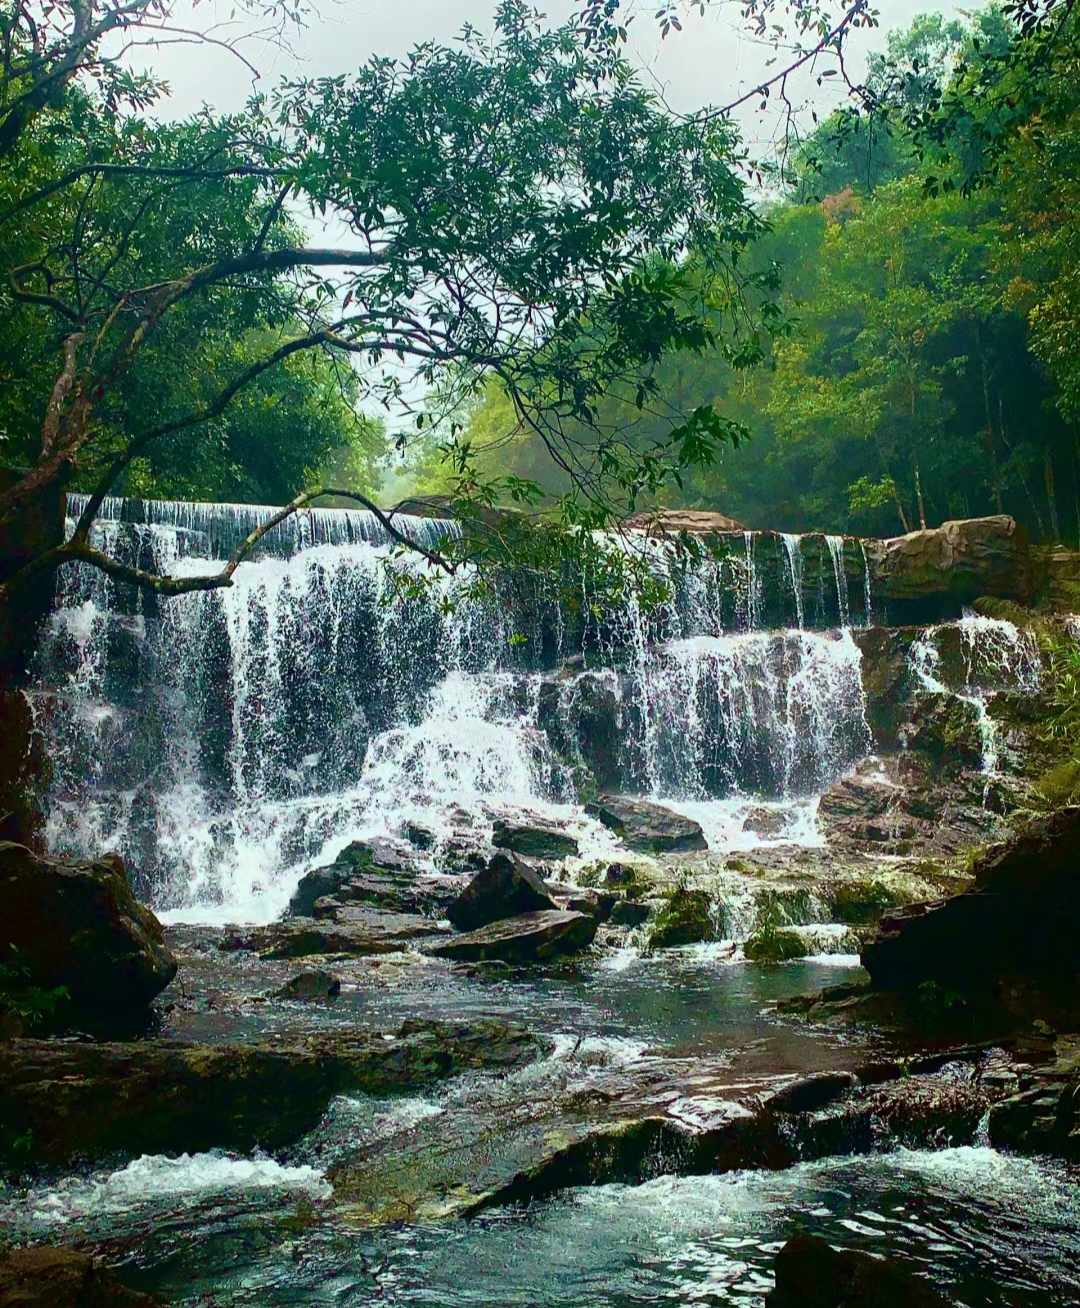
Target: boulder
[
  {"x": 764, "y": 822},
  {"x": 810, "y": 1273},
  {"x": 856, "y": 797},
  {"x": 506, "y": 887},
  {"x": 310, "y": 985},
  {"x": 686, "y": 918},
  {"x": 69, "y": 1099},
  {"x": 370, "y": 872},
  {"x": 529, "y": 938},
  {"x": 534, "y": 840},
  {"x": 1009, "y": 940},
  {"x": 78, "y": 925},
  {"x": 354, "y": 929},
  {"x": 629, "y": 913},
  {"x": 961, "y": 560},
  {"x": 50, "y": 1276},
  {"x": 667, "y": 522},
  {"x": 645, "y": 827}
]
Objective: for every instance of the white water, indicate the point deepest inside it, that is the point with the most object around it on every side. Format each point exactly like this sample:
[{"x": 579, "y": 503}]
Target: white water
[
  {"x": 995, "y": 656},
  {"x": 157, "y": 1178},
  {"x": 226, "y": 741}
]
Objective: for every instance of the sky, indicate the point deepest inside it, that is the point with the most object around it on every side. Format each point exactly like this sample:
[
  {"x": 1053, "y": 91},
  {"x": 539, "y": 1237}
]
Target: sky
[{"x": 712, "y": 61}]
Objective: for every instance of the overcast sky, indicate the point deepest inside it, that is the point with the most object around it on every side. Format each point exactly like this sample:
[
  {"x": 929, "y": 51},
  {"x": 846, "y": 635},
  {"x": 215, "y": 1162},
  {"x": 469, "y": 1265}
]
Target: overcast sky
[{"x": 711, "y": 61}]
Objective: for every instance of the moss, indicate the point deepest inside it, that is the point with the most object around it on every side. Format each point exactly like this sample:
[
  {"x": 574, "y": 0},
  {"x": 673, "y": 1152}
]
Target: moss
[
  {"x": 774, "y": 946},
  {"x": 686, "y": 918},
  {"x": 772, "y": 940},
  {"x": 1060, "y": 786},
  {"x": 990, "y": 606},
  {"x": 863, "y": 903}
]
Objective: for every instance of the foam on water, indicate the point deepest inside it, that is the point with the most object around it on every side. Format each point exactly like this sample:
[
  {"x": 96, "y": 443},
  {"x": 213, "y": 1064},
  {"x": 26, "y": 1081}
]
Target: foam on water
[{"x": 157, "y": 1178}]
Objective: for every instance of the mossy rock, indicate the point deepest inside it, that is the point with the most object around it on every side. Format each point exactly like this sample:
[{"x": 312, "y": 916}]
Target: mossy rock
[
  {"x": 687, "y": 918},
  {"x": 1060, "y": 787},
  {"x": 774, "y": 946},
  {"x": 991, "y": 606},
  {"x": 863, "y": 903}
]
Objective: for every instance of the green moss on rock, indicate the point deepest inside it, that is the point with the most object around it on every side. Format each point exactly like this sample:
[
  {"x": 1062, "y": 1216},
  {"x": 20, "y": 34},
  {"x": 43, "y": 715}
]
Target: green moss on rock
[{"x": 686, "y": 918}]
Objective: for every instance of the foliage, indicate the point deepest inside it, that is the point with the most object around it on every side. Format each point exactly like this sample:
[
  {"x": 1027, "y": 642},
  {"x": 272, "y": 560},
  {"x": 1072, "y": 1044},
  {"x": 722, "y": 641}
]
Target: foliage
[
  {"x": 23, "y": 1004},
  {"x": 518, "y": 207}
]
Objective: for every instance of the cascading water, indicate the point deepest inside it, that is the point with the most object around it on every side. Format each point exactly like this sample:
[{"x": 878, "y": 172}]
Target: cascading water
[
  {"x": 793, "y": 547},
  {"x": 994, "y": 656},
  {"x": 224, "y": 740},
  {"x": 836, "y": 553}
]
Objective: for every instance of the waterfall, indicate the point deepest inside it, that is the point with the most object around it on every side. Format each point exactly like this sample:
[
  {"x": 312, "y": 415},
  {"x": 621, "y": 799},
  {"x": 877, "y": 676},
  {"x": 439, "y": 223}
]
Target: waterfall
[
  {"x": 793, "y": 549},
  {"x": 836, "y": 553},
  {"x": 225, "y": 740},
  {"x": 994, "y": 656},
  {"x": 867, "y": 599}
]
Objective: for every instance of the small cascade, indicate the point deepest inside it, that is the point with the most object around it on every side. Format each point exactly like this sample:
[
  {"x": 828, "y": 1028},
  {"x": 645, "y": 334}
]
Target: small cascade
[
  {"x": 836, "y": 553},
  {"x": 973, "y": 660},
  {"x": 751, "y": 605},
  {"x": 868, "y": 603},
  {"x": 793, "y": 549}
]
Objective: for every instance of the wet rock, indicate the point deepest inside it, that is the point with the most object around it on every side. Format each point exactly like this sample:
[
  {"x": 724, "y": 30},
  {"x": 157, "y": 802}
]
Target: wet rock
[
  {"x": 94, "y": 1100},
  {"x": 310, "y": 985},
  {"x": 420, "y": 836},
  {"x": 373, "y": 873},
  {"x": 618, "y": 874},
  {"x": 856, "y": 797},
  {"x": 647, "y": 828},
  {"x": 50, "y": 1276},
  {"x": 687, "y": 917},
  {"x": 597, "y": 903},
  {"x": 810, "y": 1273},
  {"x": 1009, "y": 941},
  {"x": 533, "y": 840},
  {"x": 766, "y": 822},
  {"x": 946, "y": 730},
  {"x": 960, "y": 560},
  {"x": 812, "y": 1092},
  {"x": 505, "y": 888},
  {"x": 78, "y": 925},
  {"x": 630, "y": 913},
  {"x": 353, "y": 930},
  {"x": 528, "y": 938}
]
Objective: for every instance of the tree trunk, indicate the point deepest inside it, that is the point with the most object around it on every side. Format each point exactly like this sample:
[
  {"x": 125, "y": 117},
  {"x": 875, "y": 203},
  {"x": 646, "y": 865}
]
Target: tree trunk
[
  {"x": 27, "y": 529},
  {"x": 919, "y": 498},
  {"x": 1051, "y": 497}
]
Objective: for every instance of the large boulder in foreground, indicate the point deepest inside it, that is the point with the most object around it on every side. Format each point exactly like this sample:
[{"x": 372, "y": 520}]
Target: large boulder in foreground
[
  {"x": 810, "y": 1273},
  {"x": 645, "y": 827},
  {"x": 71, "y": 1099},
  {"x": 507, "y": 887},
  {"x": 49, "y": 1276},
  {"x": 79, "y": 925},
  {"x": 1010, "y": 940},
  {"x": 960, "y": 560},
  {"x": 530, "y": 938}
]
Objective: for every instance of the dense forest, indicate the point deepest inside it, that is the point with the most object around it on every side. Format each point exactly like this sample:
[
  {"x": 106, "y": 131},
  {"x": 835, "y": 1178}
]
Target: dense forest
[{"x": 929, "y": 262}]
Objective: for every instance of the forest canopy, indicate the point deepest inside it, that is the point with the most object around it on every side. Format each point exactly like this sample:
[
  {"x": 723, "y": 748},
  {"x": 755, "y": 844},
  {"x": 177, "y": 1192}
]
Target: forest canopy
[{"x": 927, "y": 243}]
